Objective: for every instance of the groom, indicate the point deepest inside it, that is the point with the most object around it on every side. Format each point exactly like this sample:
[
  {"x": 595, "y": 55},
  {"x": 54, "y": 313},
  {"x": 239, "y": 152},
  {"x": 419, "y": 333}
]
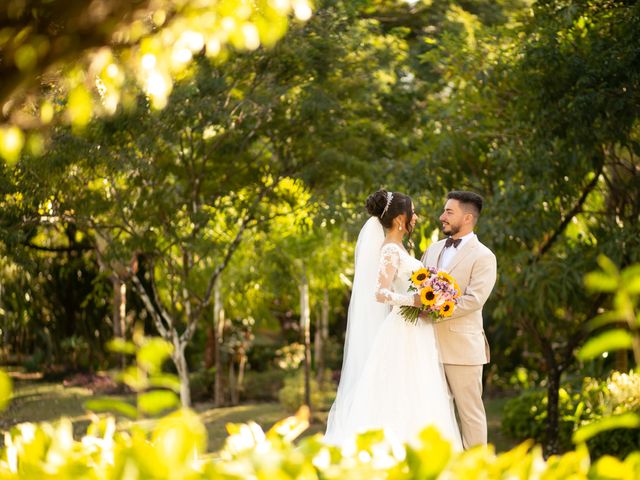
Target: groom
[{"x": 463, "y": 346}]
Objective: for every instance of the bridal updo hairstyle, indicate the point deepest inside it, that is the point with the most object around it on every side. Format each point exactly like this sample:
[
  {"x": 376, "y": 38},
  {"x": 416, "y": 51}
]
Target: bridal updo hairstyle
[{"x": 399, "y": 204}]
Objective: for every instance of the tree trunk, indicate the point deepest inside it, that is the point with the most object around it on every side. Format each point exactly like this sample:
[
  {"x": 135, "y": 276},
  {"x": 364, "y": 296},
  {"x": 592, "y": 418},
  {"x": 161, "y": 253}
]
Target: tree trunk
[
  {"x": 241, "y": 368},
  {"x": 305, "y": 324},
  {"x": 233, "y": 390},
  {"x": 553, "y": 415},
  {"x": 210, "y": 347},
  {"x": 322, "y": 333},
  {"x": 183, "y": 372},
  {"x": 622, "y": 361},
  {"x": 218, "y": 330},
  {"x": 119, "y": 312},
  {"x": 5, "y": 328}
]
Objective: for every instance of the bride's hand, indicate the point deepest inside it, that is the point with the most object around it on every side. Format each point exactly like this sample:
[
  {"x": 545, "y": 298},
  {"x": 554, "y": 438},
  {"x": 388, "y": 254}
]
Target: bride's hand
[{"x": 416, "y": 300}]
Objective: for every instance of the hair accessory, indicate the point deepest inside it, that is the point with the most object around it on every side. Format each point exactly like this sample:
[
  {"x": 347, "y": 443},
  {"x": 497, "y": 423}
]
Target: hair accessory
[{"x": 389, "y": 198}]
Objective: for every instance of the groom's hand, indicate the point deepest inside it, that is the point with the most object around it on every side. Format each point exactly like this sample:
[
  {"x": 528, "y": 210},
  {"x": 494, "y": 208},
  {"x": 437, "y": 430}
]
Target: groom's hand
[{"x": 416, "y": 300}]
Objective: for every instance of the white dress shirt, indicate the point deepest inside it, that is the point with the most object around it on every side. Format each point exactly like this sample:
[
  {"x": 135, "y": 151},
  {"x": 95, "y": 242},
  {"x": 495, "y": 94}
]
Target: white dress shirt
[{"x": 448, "y": 253}]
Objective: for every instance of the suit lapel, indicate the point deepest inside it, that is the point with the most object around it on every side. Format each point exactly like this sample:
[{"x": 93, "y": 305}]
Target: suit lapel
[
  {"x": 463, "y": 253},
  {"x": 434, "y": 252}
]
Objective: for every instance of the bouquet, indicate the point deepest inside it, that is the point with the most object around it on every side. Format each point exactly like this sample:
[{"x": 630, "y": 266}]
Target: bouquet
[{"x": 439, "y": 293}]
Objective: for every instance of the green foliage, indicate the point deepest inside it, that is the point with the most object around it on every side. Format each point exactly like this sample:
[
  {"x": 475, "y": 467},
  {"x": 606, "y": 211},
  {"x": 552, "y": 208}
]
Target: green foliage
[
  {"x": 173, "y": 447},
  {"x": 625, "y": 287},
  {"x": 525, "y": 417},
  {"x": 603, "y": 414},
  {"x": 289, "y": 357},
  {"x": 97, "y": 59},
  {"x": 291, "y": 395},
  {"x": 5, "y": 389},
  {"x": 263, "y": 385},
  {"x": 155, "y": 390},
  {"x": 611, "y": 414},
  {"x": 201, "y": 383}
]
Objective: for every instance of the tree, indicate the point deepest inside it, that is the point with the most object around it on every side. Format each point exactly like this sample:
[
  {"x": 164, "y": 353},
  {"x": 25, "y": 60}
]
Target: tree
[
  {"x": 541, "y": 117},
  {"x": 89, "y": 50}
]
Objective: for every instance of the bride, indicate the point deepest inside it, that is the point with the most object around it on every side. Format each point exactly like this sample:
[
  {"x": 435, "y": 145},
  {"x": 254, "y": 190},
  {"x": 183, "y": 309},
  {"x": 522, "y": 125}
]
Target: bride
[{"x": 391, "y": 378}]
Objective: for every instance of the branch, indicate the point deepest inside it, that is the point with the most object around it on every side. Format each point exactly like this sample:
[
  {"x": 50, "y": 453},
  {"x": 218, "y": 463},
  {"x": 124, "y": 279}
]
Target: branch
[
  {"x": 77, "y": 248},
  {"x": 232, "y": 247},
  {"x": 546, "y": 246},
  {"x": 144, "y": 296}
]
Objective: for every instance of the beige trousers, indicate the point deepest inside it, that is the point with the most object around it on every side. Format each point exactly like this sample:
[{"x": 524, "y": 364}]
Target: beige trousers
[{"x": 465, "y": 383}]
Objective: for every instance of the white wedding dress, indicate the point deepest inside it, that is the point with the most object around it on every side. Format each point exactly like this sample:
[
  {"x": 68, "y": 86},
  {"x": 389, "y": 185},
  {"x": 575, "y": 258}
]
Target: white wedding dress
[{"x": 401, "y": 386}]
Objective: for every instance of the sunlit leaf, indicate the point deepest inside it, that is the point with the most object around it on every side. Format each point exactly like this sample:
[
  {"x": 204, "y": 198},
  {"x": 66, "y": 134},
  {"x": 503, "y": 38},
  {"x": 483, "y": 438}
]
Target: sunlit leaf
[
  {"x": 153, "y": 353},
  {"x": 179, "y": 437},
  {"x": 631, "y": 279},
  {"x": 608, "y": 266},
  {"x": 604, "y": 319},
  {"x": 157, "y": 401},
  {"x": 79, "y": 106},
  {"x": 600, "y": 282},
  {"x": 118, "y": 345},
  {"x": 5, "y": 389},
  {"x": 11, "y": 143},
  {"x": 617, "y": 339},
  {"x": 165, "y": 381},
  {"x": 627, "y": 420},
  {"x": 431, "y": 454},
  {"x": 111, "y": 405}
]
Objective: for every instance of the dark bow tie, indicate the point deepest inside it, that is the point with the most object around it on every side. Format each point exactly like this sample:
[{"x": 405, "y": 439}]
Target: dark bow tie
[{"x": 450, "y": 241}]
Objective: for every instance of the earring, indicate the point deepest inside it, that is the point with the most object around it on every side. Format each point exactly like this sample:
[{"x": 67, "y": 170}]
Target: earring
[{"x": 399, "y": 228}]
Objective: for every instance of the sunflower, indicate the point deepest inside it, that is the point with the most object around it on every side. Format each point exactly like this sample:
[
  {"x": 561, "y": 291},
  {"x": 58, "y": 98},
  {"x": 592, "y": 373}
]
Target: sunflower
[
  {"x": 446, "y": 276},
  {"x": 446, "y": 309},
  {"x": 419, "y": 276},
  {"x": 428, "y": 296},
  {"x": 456, "y": 287}
]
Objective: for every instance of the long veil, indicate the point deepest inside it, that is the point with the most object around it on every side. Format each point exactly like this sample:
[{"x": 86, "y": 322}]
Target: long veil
[{"x": 363, "y": 321}]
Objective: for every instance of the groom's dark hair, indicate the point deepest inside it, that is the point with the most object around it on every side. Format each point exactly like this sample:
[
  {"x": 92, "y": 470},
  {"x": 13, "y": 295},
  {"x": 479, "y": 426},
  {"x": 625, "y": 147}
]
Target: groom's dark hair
[{"x": 470, "y": 200}]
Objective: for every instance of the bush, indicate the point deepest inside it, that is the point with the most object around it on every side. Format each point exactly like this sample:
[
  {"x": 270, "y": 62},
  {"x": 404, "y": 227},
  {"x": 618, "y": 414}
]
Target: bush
[
  {"x": 173, "y": 447},
  {"x": 291, "y": 395},
  {"x": 526, "y": 415},
  {"x": 617, "y": 395},
  {"x": 201, "y": 384},
  {"x": 263, "y": 386}
]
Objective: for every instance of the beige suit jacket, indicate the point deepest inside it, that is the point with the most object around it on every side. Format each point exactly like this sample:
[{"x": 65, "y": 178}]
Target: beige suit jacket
[{"x": 461, "y": 337}]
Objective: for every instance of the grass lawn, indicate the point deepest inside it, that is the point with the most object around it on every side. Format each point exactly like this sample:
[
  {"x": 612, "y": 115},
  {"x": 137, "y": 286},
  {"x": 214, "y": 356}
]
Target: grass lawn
[{"x": 36, "y": 400}]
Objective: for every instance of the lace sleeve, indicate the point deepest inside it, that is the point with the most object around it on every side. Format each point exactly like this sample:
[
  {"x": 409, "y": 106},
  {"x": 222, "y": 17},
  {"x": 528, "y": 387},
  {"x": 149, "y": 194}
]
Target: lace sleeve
[{"x": 389, "y": 261}]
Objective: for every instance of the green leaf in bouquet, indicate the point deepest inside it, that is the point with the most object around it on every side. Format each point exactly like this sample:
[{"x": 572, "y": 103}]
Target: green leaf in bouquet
[
  {"x": 157, "y": 401},
  {"x": 616, "y": 339},
  {"x": 5, "y": 389},
  {"x": 626, "y": 420},
  {"x": 111, "y": 405}
]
